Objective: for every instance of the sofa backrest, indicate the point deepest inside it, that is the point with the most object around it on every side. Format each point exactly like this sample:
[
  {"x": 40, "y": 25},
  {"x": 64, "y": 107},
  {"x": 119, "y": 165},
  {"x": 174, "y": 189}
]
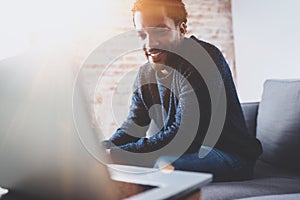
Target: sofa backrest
[
  {"x": 250, "y": 114},
  {"x": 278, "y": 123}
]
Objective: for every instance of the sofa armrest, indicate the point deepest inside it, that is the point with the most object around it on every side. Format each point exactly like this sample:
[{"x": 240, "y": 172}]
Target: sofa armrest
[{"x": 250, "y": 114}]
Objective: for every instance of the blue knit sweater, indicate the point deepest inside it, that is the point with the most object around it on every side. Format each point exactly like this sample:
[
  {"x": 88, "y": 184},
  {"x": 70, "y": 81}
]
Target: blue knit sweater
[{"x": 172, "y": 93}]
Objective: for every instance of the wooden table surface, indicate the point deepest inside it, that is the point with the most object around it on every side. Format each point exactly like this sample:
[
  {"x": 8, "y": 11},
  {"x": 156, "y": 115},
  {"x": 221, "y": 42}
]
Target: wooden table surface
[{"x": 14, "y": 196}]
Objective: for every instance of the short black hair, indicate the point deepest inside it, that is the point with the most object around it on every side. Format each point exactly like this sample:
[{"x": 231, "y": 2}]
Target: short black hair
[{"x": 175, "y": 9}]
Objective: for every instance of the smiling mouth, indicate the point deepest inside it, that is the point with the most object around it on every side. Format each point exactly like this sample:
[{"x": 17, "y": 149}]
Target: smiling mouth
[{"x": 155, "y": 54}]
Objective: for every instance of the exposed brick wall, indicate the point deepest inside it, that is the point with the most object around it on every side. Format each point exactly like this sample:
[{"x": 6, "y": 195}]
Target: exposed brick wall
[{"x": 209, "y": 20}]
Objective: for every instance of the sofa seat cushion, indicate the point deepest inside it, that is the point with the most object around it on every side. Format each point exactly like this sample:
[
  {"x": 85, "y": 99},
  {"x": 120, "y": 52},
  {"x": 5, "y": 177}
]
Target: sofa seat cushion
[
  {"x": 278, "y": 123},
  {"x": 276, "y": 197},
  {"x": 250, "y": 188},
  {"x": 265, "y": 170}
]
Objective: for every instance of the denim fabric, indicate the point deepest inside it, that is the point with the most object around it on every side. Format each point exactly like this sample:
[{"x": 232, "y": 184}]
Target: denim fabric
[{"x": 224, "y": 166}]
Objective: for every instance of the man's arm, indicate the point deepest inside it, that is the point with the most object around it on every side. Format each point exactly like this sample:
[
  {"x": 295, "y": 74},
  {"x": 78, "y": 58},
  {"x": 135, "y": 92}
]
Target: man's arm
[
  {"x": 186, "y": 123},
  {"x": 134, "y": 127}
]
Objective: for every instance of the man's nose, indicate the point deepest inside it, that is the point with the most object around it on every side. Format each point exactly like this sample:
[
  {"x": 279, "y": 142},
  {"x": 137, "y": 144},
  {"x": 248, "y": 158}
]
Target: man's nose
[{"x": 151, "y": 41}]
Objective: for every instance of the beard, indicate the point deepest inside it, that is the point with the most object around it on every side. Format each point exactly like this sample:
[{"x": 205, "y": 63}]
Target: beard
[{"x": 162, "y": 60}]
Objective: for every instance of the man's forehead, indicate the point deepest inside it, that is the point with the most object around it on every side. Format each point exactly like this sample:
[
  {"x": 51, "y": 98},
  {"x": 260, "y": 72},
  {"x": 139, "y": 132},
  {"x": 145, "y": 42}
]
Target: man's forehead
[{"x": 151, "y": 18}]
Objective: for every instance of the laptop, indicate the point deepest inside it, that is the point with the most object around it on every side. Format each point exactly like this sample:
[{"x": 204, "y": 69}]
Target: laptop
[{"x": 42, "y": 154}]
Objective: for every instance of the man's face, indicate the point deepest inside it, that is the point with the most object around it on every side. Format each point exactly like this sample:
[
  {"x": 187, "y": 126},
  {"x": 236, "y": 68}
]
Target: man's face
[{"x": 158, "y": 33}]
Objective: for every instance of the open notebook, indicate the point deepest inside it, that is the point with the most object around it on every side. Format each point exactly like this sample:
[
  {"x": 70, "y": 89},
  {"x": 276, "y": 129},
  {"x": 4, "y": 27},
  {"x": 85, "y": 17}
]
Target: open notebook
[{"x": 42, "y": 154}]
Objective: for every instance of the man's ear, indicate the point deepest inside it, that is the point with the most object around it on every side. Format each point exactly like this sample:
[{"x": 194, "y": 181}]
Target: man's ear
[{"x": 182, "y": 27}]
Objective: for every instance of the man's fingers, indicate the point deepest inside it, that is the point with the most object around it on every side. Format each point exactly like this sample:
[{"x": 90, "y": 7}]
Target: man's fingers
[
  {"x": 106, "y": 144},
  {"x": 107, "y": 151}
]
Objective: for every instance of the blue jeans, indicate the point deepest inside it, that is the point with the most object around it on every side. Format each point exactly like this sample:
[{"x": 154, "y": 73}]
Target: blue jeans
[{"x": 224, "y": 166}]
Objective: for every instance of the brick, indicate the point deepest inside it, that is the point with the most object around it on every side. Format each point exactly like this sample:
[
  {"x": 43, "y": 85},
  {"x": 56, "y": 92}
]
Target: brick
[{"x": 210, "y": 20}]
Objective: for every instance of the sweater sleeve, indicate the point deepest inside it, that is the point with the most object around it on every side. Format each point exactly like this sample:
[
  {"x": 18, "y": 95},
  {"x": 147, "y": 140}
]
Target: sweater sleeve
[
  {"x": 185, "y": 125},
  {"x": 136, "y": 124}
]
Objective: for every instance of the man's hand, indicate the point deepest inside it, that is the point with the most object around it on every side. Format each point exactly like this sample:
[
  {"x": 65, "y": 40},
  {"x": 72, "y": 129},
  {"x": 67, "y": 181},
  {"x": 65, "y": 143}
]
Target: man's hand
[
  {"x": 107, "y": 151},
  {"x": 106, "y": 144}
]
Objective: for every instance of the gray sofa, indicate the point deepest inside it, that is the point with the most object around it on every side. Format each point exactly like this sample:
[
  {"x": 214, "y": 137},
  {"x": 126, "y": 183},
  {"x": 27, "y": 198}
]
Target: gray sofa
[{"x": 276, "y": 123}]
